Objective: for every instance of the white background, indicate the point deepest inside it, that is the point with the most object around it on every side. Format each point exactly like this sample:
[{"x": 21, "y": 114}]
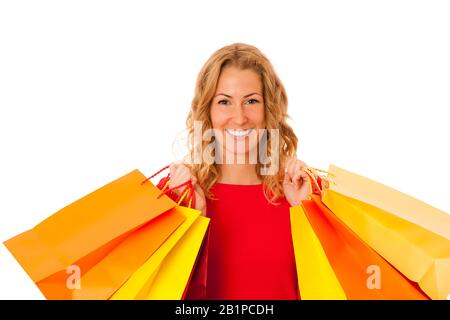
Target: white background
[{"x": 90, "y": 90}]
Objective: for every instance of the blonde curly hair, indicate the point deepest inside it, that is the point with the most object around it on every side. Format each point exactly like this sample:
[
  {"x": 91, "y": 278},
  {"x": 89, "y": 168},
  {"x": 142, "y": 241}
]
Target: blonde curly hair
[{"x": 243, "y": 57}]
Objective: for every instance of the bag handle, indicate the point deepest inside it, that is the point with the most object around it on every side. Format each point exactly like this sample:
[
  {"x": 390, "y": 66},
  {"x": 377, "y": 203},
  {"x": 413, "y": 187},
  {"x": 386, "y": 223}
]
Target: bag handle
[
  {"x": 154, "y": 175},
  {"x": 187, "y": 193},
  {"x": 320, "y": 178}
]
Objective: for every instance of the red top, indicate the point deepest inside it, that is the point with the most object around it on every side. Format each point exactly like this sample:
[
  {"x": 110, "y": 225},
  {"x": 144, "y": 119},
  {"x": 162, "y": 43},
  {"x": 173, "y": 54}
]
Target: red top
[{"x": 250, "y": 253}]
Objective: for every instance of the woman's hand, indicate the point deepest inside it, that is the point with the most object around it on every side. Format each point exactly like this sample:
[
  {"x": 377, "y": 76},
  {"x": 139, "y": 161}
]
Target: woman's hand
[
  {"x": 179, "y": 174},
  {"x": 295, "y": 185}
]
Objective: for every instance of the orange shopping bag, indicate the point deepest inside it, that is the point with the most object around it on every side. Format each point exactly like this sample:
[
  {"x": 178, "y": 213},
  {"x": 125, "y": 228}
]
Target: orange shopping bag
[{"x": 88, "y": 249}]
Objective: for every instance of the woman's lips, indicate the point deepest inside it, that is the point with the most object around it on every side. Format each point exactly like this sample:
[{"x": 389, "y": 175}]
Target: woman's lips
[{"x": 239, "y": 134}]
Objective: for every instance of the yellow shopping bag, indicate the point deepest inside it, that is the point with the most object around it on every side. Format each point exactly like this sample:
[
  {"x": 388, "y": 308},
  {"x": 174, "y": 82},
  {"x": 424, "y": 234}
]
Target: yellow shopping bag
[
  {"x": 170, "y": 283},
  {"x": 316, "y": 278},
  {"x": 413, "y": 236},
  {"x": 165, "y": 275},
  {"x": 390, "y": 200}
]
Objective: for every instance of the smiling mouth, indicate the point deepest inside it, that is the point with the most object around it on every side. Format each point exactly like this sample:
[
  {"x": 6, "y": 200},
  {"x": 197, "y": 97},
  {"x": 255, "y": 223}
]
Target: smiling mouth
[{"x": 239, "y": 134}]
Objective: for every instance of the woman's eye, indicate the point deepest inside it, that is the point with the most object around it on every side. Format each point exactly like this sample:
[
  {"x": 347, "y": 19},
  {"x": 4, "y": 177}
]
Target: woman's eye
[
  {"x": 225, "y": 102},
  {"x": 252, "y": 101}
]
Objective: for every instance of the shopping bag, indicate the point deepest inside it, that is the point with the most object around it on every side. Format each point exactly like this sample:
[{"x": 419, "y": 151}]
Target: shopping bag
[
  {"x": 93, "y": 237},
  {"x": 196, "y": 288},
  {"x": 411, "y": 235},
  {"x": 388, "y": 199},
  {"x": 315, "y": 275},
  {"x": 166, "y": 274},
  {"x": 174, "y": 274},
  {"x": 353, "y": 269}
]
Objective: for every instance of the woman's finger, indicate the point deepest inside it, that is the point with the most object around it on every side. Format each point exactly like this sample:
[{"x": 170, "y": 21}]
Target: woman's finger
[
  {"x": 300, "y": 177},
  {"x": 287, "y": 171},
  {"x": 286, "y": 176},
  {"x": 179, "y": 174},
  {"x": 296, "y": 176},
  {"x": 172, "y": 167},
  {"x": 291, "y": 168},
  {"x": 194, "y": 180},
  {"x": 297, "y": 173},
  {"x": 294, "y": 166}
]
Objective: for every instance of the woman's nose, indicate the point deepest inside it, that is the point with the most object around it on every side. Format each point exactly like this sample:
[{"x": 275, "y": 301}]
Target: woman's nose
[{"x": 239, "y": 116}]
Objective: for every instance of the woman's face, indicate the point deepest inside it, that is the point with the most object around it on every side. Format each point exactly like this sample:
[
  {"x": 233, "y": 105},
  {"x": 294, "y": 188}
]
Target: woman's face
[{"x": 237, "y": 110}]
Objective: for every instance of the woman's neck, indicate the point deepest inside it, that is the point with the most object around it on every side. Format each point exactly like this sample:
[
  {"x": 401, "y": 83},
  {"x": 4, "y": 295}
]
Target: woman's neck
[{"x": 244, "y": 174}]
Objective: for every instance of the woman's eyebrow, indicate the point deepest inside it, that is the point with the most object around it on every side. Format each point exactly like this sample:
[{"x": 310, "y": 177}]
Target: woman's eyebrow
[{"x": 228, "y": 96}]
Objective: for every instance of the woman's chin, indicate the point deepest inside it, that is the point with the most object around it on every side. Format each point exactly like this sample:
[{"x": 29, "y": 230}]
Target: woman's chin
[{"x": 244, "y": 153}]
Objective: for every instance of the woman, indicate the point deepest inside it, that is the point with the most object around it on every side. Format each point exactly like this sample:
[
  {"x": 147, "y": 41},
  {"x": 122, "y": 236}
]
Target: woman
[{"x": 250, "y": 253}]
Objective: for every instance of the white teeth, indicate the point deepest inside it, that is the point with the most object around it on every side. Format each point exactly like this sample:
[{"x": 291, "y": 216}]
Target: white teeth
[{"x": 239, "y": 133}]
